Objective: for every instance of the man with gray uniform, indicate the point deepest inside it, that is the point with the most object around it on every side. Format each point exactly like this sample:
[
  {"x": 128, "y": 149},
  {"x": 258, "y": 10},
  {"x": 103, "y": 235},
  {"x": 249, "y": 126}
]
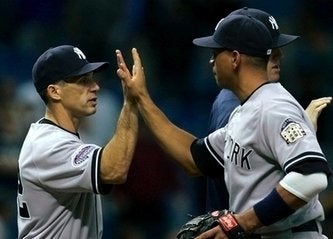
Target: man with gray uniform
[
  {"x": 60, "y": 177},
  {"x": 227, "y": 101},
  {"x": 273, "y": 164}
]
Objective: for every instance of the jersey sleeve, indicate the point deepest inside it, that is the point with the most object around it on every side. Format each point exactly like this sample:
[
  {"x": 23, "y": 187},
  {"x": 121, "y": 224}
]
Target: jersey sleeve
[
  {"x": 70, "y": 165},
  {"x": 291, "y": 140}
]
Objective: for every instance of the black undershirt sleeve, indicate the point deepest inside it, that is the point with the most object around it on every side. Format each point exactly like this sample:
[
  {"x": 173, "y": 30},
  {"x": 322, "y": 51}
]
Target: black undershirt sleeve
[
  {"x": 310, "y": 166},
  {"x": 204, "y": 159},
  {"x": 102, "y": 188}
]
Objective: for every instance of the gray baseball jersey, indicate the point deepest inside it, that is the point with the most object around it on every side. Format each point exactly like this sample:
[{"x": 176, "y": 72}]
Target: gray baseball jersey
[
  {"x": 58, "y": 185},
  {"x": 267, "y": 136}
]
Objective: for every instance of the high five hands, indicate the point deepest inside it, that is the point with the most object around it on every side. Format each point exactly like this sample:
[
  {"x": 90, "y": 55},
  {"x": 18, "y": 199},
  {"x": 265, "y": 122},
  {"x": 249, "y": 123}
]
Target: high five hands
[{"x": 134, "y": 82}]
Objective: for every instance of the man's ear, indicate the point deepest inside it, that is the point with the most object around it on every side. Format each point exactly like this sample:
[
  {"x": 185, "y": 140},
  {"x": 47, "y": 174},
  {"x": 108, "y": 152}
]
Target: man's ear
[
  {"x": 236, "y": 58},
  {"x": 53, "y": 92}
]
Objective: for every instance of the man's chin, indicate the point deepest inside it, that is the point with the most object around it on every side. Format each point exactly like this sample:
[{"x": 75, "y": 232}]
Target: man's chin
[{"x": 91, "y": 112}]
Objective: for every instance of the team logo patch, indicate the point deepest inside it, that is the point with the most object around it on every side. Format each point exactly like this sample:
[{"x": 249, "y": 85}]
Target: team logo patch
[
  {"x": 82, "y": 155},
  {"x": 291, "y": 131}
]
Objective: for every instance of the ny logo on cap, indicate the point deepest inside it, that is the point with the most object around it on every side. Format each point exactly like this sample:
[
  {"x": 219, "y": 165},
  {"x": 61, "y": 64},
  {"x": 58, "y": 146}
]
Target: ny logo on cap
[
  {"x": 273, "y": 22},
  {"x": 79, "y": 53}
]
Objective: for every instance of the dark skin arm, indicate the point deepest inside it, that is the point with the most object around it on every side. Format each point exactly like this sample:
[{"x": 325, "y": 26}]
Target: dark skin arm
[
  {"x": 173, "y": 140},
  {"x": 249, "y": 221}
]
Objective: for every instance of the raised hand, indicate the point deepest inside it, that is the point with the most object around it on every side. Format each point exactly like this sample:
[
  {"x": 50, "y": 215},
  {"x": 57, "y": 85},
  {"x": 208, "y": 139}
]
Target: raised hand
[
  {"x": 315, "y": 108},
  {"x": 133, "y": 82}
]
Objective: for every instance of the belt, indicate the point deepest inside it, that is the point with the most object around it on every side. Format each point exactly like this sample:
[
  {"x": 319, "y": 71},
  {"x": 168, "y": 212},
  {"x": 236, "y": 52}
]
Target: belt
[{"x": 310, "y": 226}]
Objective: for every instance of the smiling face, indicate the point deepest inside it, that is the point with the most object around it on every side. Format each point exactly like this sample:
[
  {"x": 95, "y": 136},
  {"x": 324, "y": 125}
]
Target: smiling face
[{"x": 78, "y": 95}]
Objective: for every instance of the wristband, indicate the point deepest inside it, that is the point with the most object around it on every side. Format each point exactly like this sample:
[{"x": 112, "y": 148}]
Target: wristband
[
  {"x": 272, "y": 209},
  {"x": 230, "y": 226}
]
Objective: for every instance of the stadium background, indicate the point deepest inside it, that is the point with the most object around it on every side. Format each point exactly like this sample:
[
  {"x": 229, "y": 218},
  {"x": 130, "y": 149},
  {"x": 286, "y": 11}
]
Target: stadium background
[{"x": 158, "y": 195}]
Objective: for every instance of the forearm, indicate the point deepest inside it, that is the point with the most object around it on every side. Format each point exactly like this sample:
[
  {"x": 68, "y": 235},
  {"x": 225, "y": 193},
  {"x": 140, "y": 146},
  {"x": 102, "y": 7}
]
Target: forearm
[
  {"x": 118, "y": 152},
  {"x": 292, "y": 192},
  {"x": 250, "y": 219},
  {"x": 280, "y": 203},
  {"x": 174, "y": 141}
]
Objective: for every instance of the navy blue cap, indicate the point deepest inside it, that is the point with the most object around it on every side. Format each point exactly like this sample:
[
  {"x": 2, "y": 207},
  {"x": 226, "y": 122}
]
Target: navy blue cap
[
  {"x": 242, "y": 33},
  {"x": 62, "y": 62},
  {"x": 279, "y": 39}
]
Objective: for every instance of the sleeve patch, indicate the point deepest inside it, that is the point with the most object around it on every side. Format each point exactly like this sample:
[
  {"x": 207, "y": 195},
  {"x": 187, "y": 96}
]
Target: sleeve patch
[
  {"x": 81, "y": 155},
  {"x": 291, "y": 131}
]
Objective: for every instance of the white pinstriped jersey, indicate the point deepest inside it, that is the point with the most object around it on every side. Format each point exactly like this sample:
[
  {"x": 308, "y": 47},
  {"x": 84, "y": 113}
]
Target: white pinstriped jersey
[
  {"x": 58, "y": 185},
  {"x": 266, "y": 137}
]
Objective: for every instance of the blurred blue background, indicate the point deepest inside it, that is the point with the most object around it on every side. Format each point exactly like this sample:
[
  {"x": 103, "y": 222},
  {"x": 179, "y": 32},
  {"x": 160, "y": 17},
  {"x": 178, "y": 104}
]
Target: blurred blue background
[{"x": 155, "y": 201}]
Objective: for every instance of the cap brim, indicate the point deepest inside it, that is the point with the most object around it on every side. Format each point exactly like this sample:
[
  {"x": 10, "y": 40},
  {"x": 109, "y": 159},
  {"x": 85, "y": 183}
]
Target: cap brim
[
  {"x": 90, "y": 67},
  {"x": 207, "y": 42},
  {"x": 284, "y": 39}
]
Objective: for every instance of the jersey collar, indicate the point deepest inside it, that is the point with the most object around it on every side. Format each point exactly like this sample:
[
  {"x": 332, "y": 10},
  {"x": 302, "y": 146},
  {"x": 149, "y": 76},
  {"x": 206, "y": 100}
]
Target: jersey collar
[
  {"x": 267, "y": 82},
  {"x": 47, "y": 121}
]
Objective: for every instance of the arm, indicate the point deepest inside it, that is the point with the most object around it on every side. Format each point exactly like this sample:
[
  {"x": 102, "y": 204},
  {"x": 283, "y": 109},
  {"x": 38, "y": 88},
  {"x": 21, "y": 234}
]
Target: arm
[
  {"x": 173, "y": 140},
  {"x": 293, "y": 192},
  {"x": 118, "y": 153},
  {"x": 248, "y": 220},
  {"x": 315, "y": 107},
  {"x": 278, "y": 204}
]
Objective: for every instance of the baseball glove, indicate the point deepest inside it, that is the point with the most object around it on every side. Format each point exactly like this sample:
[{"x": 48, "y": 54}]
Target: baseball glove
[{"x": 202, "y": 223}]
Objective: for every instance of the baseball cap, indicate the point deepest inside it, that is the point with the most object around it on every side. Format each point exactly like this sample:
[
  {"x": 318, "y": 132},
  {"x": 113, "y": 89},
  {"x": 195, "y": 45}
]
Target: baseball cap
[
  {"x": 60, "y": 63},
  {"x": 239, "y": 32},
  {"x": 279, "y": 39}
]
